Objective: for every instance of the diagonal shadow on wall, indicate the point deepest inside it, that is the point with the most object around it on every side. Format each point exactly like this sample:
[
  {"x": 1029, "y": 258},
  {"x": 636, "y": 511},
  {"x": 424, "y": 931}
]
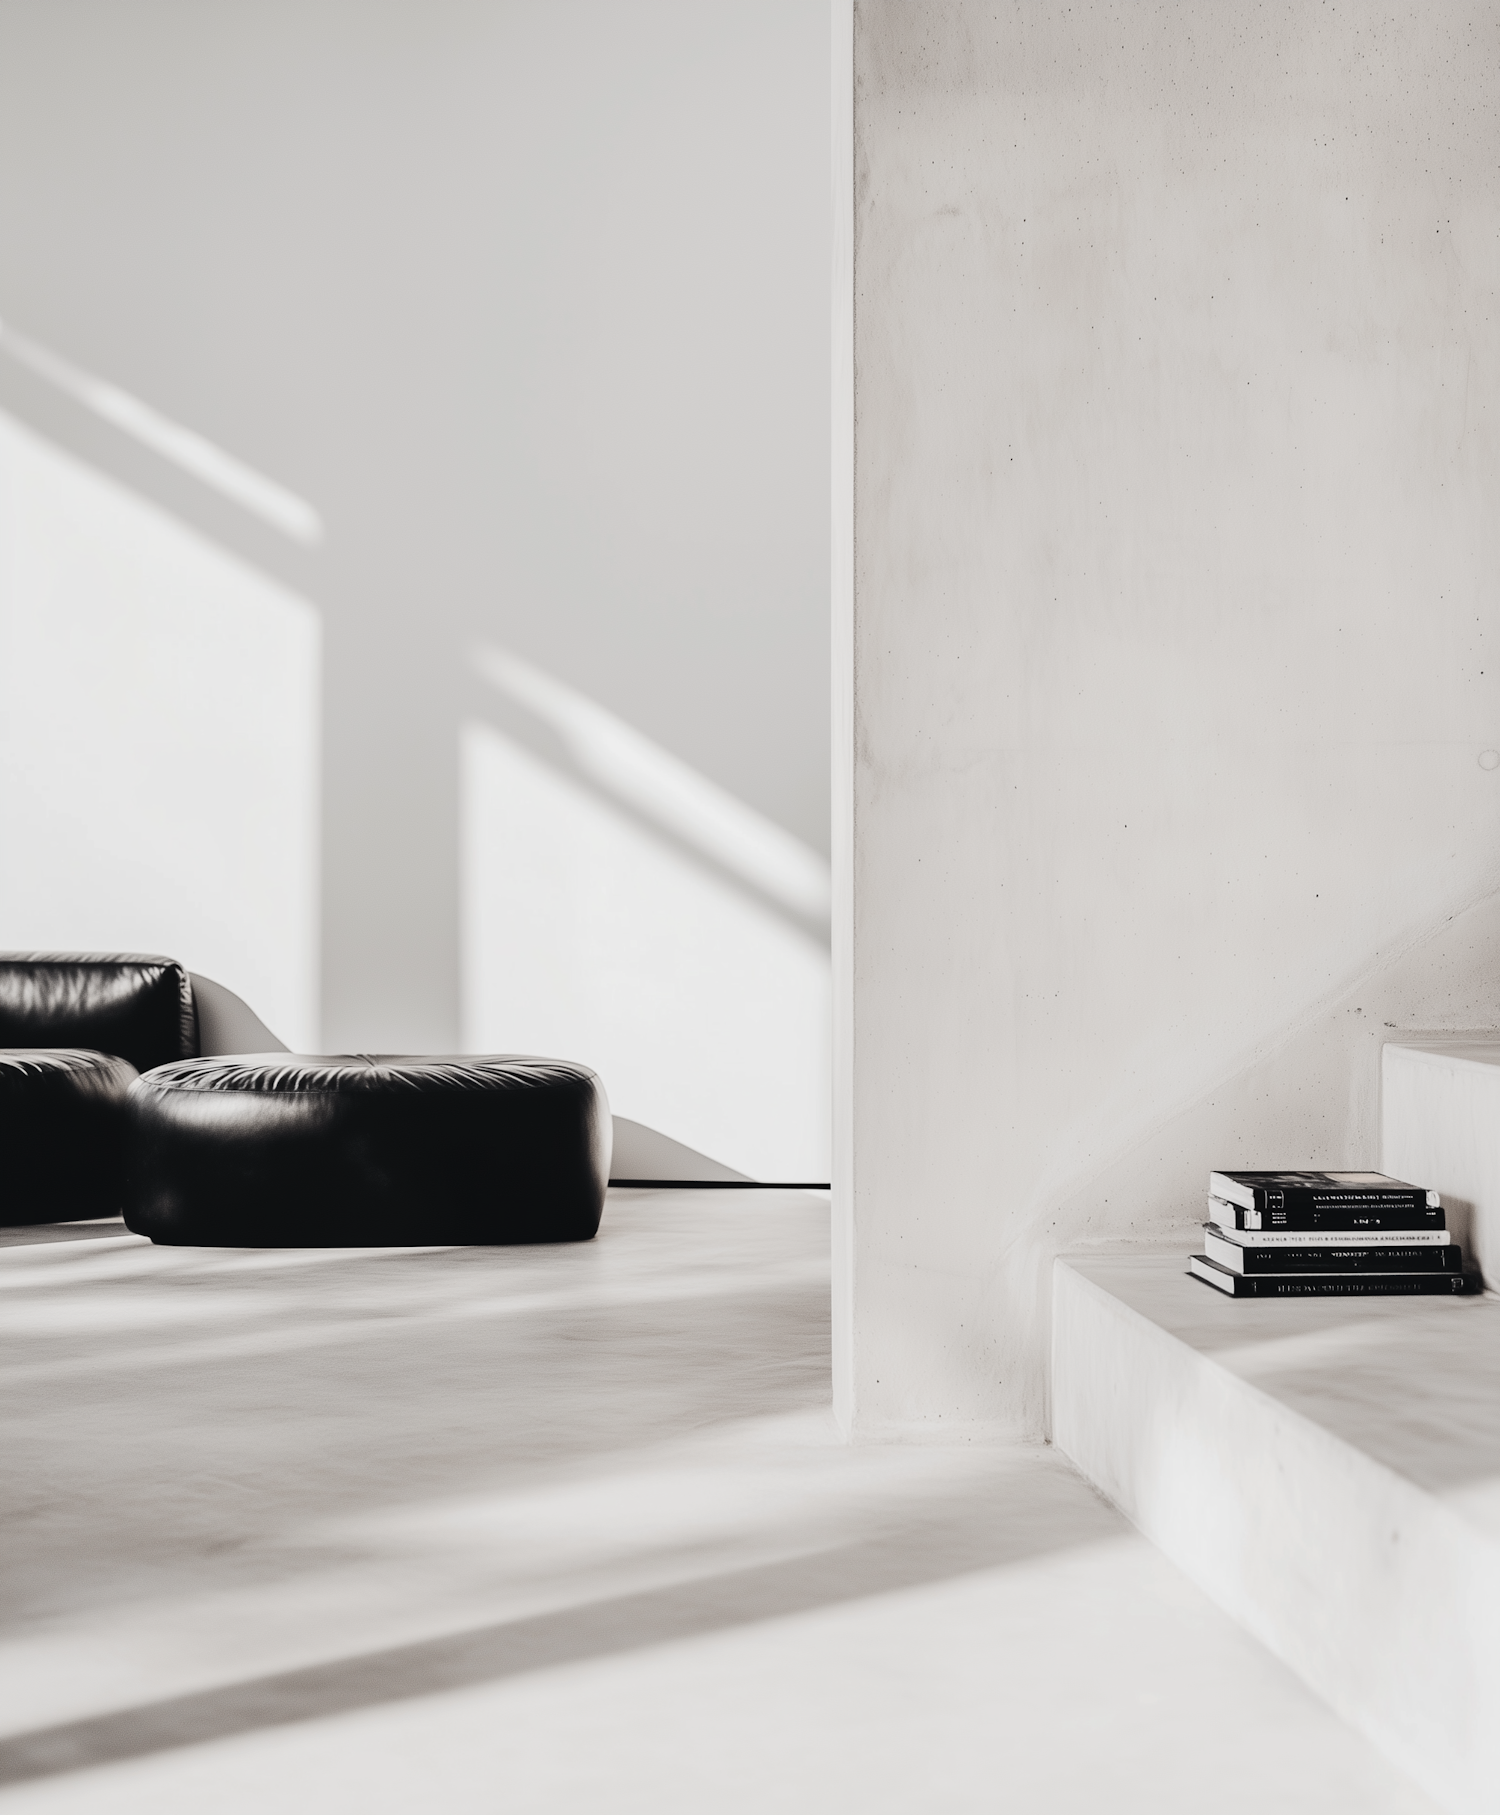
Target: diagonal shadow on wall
[{"x": 400, "y": 808}]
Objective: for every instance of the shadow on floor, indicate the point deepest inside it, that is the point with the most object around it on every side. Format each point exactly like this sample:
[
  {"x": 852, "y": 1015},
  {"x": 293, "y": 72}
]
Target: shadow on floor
[
  {"x": 1030, "y": 1514},
  {"x": 123, "y": 1483},
  {"x": 175, "y": 1421},
  {"x": 253, "y": 1433}
]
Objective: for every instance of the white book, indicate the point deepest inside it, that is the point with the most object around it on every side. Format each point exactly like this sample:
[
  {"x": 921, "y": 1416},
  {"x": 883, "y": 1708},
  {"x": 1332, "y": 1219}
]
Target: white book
[
  {"x": 1324, "y": 1238},
  {"x": 1240, "y": 1256}
]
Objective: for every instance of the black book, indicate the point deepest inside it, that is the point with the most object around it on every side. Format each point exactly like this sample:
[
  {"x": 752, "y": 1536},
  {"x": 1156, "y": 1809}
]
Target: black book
[
  {"x": 1222, "y": 1219},
  {"x": 1335, "y": 1212},
  {"x": 1245, "y": 1258},
  {"x": 1302, "y": 1191},
  {"x": 1329, "y": 1285}
]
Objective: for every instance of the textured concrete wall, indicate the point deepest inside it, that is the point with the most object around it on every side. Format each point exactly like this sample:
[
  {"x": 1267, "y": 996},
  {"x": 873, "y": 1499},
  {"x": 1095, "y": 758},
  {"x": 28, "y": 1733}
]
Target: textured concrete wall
[{"x": 1175, "y": 648}]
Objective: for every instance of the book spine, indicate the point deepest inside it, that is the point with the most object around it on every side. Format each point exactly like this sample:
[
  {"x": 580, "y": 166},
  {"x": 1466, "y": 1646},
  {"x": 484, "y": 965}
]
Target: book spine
[
  {"x": 1223, "y": 1227},
  {"x": 1262, "y": 1261},
  {"x": 1331, "y": 1285},
  {"x": 1357, "y": 1285},
  {"x": 1299, "y": 1198},
  {"x": 1350, "y": 1220}
]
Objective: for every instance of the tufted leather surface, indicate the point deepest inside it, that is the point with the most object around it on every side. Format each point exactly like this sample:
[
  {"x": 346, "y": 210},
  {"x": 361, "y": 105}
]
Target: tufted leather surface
[
  {"x": 63, "y": 1125},
  {"x": 285, "y": 1150},
  {"x": 138, "y": 1007}
]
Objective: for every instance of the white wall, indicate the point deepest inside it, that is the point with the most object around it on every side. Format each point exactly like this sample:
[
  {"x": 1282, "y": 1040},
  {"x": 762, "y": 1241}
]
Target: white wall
[
  {"x": 1175, "y": 649},
  {"x": 158, "y": 740},
  {"x": 526, "y": 301},
  {"x": 587, "y": 932}
]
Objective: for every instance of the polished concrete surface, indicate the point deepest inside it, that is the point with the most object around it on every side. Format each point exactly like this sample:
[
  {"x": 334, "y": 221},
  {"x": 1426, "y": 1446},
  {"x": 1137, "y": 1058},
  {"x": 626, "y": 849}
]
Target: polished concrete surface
[
  {"x": 1412, "y": 1383},
  {"x": 1327, "y": 1470},
  {"x": 569, "y": 1529}
]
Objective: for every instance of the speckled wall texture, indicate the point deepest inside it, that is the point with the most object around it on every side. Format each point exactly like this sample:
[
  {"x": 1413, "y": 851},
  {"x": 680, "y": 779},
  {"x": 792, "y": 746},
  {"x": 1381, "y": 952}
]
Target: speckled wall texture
[{"x": 1176, "y": 650}]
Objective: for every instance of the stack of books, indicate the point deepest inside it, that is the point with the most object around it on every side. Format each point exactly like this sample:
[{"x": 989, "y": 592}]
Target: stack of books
[{"x": 1326, "y": 1234}]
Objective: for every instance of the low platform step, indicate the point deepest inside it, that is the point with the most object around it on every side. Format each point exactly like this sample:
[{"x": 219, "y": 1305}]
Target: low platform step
[{"x": 1327, "y": 1470}]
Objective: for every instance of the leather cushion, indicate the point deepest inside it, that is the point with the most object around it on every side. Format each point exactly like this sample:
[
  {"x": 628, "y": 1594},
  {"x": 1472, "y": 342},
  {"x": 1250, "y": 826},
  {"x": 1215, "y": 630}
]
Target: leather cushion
[
  {"x": 62, "y": 1134},
  {"x": 138, "y": 1007},
  {"x": 279, "y": 1150}
]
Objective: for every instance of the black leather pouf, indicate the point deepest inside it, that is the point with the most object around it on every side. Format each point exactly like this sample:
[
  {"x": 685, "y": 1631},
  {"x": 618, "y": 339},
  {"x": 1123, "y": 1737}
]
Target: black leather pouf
[
  {"x": 280, "y": 1150},
  {"x": 62, "y": 1134}
]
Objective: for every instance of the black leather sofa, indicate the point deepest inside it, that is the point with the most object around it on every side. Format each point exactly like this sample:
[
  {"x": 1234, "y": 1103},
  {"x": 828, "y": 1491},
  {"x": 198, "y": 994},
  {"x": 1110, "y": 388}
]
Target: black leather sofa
[
  {"x": 128, "y": 1083},
  {"x": 75, "y": 1031}
]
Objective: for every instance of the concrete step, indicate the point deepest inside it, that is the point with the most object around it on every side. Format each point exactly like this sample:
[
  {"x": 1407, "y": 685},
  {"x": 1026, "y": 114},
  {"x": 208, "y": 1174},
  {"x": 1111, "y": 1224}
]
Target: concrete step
[
  {"x": 1440, "y": 1127},
  {"x": 1328, "y": 1471}
]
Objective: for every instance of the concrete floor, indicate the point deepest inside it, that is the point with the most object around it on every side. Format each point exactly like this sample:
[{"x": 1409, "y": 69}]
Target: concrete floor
[{"x": 568, "y": 1530}]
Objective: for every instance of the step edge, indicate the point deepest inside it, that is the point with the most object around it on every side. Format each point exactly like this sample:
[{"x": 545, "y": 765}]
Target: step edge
[{"x": 1415, "y": 1729}]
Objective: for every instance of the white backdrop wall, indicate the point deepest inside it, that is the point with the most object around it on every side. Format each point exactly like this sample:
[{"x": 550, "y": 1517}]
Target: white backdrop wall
[
  {"x": 1174, "y": 643},
  {"x": 158, "y": 739},
  {"x": 522, "y": 305}
]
